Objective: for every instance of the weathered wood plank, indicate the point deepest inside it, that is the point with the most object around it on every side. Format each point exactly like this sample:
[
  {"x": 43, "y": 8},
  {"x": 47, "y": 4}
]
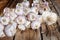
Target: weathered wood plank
[
  {"x": 6, "y": 38},
  {"x": 28, "y": 35}
]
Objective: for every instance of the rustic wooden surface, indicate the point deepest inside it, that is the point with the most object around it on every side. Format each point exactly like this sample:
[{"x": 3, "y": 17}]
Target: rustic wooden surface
[
  {"x": 31, "y": 34},
  {"x": 6, "y": 38},
  {"x": 28, "y": 35}
]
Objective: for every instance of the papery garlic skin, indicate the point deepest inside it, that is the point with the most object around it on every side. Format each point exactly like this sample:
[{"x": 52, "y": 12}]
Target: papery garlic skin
[
  {"x": 21, "y": 27},
  {"x": 11, "y": 14},
  {"x": 35, "y": 25},
  {"x": 10, "y": 30},
  {"x": 21, "y": 20},
  {"x": 26, "y": 11},
  {"x": 27, "y": 24},
  {"x": 40, "y": 19},
  {"x": 2, "y": 34},
  {"x": 49, "y": 17},
  {"x": 0, "y": 18},
  {"x": 1, "y": 27},
  {"x": 1, "y": 30},
  {"x": 13, "y": 23},
  {"x": 35, "y": 1},
  {"x": 19, "y": 5},
  {"x": 6, "y": 10},
  {"x": 26, "y": 4},
  {"x": 34, "y": 10},
  {"x": 44, "y": 7},
  {"x": 5, "y": 20},
  {"x": 19, "y": 11},
  {"x": 35, "y": 4},
  {"x": 31, "y": 16}
]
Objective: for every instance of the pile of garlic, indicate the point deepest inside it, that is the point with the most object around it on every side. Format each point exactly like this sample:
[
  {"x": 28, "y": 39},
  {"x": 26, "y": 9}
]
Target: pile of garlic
[{"x": 23, "y": 17}]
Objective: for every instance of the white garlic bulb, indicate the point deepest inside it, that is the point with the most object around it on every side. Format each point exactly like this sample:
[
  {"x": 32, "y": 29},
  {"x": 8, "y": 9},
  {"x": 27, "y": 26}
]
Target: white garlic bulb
[
  {"x": 27, "y": 24},
  {"x": 34, "y": 10},
  {"x": 19, "y": 11},
  {"x": 26, "y": 11},
  {"x": 26, "y": 4},
  {"x": 40, "y": 18},
  {"x": 10, "y": 30},
  {"x": 21, "y": 20},
  {"x": 2, "y": 34},
  {"x": 31, "y": 16},
  {"x": 35, "y": 25},
  {"x": 1, "y": 27},
  {"x": 5, "y": 20},
  {"x": 21, "y": 27},
  {"x": 35, "y": 1},
  {"x": 13, "y": 23},
  {"x": 12, "y": 16},
  {"x": 19, "y": 5},
  {"x": 1, "y": 30},
  {"x": 6, "y": 10},
  {"x": 49, "y": 17}
]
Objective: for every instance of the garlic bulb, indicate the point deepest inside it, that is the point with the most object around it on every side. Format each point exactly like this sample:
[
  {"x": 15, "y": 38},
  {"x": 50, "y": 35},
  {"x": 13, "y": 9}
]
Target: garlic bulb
[
  {"x": 27, "y": 24},
  {"x": 40, "y": 18},
  {"x": 19, "y": 11},
  {"x": 31, "y": 16},
  {"x": 2, "y": 34},
  {"x": 35, "y": 25},
  {"x": 10, "y": 30},
  {"x": 5, "y": 20},
  {"x": 21, "y": 27},
  {"x": 26, "y": 11},
  {"x": 19, "y": 5},
  {"x": 1, "y": 30},
  {"x": 35, "y": 5},
  {"x": 35, "y": 1},
  {"x": 46, "y": 3},
  {"x": 11, "y": 14},
  {"x": 34, "y": 10},
  {"x": 26, "y": 4},
  {"x": 1, "y": 27},
  {"x": 13, "y": 23},
  {"x": 49, "y": 17},
  {"x": 21, "y": 20},
  {"x": 6, "y": 10}
]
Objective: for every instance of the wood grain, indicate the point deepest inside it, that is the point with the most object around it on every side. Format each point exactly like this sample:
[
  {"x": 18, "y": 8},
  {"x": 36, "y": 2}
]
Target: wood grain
[
  {"x": 28, "y": 35},
  {"x": 6, "y": 38}
]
